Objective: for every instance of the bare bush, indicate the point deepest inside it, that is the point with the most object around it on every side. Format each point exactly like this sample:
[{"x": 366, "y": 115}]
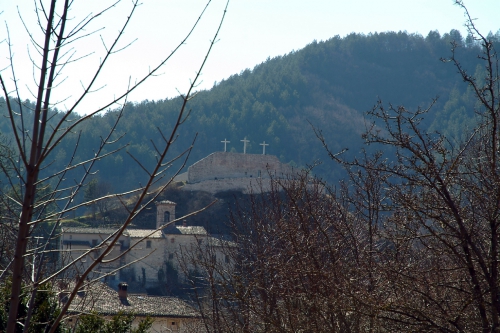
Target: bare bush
[
  {"x": 438, "y": 220},
  {"x": 409, "y": 242},
  {"x": 298, "y": 262}
]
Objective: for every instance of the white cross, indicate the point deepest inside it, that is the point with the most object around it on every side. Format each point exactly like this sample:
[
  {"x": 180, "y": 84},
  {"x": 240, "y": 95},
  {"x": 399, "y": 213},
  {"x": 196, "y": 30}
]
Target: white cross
[
  {"x": 225, "y": 143},
  {"x": 264, "y": 144},
  {"x": 245, "y": 144}
]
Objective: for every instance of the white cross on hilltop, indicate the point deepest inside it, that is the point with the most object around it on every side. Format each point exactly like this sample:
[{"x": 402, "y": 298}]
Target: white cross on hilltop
[
  {"x": 264, "y": 144},
  {"x": 225, "y": 143},
  {"x": 245, "y": 141}
]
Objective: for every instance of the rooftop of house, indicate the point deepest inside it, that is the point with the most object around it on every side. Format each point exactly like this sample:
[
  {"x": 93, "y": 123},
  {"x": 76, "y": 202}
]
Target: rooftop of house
[
  {"x": 81, "y": 230},
  {"x": 140, "y": 233},
  {"x": 191, "y": 230},
  {"x": 104, "y": 300}
]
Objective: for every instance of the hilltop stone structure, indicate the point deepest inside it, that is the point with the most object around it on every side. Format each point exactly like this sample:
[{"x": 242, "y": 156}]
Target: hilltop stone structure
[{"x": 223, "y": 171}]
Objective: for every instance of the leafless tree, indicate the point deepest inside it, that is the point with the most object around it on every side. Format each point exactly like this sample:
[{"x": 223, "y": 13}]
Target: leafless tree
[
  {"x": 47, "y": 129},
  {"x": 438, "y": 244},
  {"x": 298, "y": 263},
  {"x": 408, "y": 243}
]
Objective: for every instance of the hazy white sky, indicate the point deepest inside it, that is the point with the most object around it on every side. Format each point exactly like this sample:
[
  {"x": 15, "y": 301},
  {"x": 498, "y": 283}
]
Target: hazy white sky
[{"x": 252, "y": 31}]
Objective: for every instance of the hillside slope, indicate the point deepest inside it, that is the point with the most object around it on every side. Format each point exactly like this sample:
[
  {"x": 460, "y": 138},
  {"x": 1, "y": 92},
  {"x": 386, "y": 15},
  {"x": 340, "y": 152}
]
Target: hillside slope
[{"x": 329, "y": 85}]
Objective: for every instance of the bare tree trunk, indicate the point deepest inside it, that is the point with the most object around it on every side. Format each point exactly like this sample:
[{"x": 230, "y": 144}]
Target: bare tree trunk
[{"x": 47, "y": 134}]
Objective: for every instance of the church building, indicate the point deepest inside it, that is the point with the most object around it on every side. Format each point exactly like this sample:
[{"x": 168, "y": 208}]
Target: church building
[{"x": 140, "y": 255}]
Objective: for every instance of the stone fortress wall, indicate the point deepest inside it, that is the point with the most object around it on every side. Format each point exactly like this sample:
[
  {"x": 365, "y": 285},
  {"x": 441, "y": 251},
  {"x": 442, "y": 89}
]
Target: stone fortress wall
[
  {"x": 222, "y": 171},
  {"x": 221, "y": 165},
  {"x": 245, "y": 185}
]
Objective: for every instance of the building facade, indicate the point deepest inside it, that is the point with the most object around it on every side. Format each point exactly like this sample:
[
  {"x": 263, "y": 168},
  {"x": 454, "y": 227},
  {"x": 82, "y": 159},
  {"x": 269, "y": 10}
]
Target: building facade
[{"x": 140, "y": 255}]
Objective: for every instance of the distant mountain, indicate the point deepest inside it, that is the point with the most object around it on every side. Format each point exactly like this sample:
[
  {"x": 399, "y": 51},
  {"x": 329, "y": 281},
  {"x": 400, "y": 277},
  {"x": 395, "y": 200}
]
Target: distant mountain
[{"x": 329, "y": 85}]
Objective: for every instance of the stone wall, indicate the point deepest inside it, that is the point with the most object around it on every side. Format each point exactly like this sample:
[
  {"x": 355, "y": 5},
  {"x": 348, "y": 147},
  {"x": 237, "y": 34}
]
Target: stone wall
[
  {"x": 163, "y": 207},
  {"x": 245, "y": 185},
  {"x": 224, "y": 165}
]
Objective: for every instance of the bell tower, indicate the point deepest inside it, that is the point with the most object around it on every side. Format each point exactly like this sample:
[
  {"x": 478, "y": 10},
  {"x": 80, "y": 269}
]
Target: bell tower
[{"x": 165, "y": 212}]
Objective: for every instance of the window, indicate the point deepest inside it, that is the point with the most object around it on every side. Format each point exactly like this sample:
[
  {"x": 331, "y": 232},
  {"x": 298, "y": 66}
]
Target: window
[
  {"x": 94, "y": 242},
  {"x": 172, "y": 240},
  {"x": 70, "y": 236},
  {"x": 166, "y": 217},
  {"x": 258, "y": 173},
  {"x": 148, "y": 244},
  {"x": 173, "y": 323}
]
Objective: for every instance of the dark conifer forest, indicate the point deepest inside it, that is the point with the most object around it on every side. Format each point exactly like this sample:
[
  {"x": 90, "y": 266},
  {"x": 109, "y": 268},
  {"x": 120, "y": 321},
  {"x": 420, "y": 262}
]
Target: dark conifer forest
[{"x": 328, "y": 85}]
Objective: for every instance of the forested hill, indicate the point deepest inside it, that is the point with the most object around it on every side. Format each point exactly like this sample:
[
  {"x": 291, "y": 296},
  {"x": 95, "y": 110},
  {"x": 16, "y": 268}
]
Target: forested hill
[{"x": 329, "y": 85}]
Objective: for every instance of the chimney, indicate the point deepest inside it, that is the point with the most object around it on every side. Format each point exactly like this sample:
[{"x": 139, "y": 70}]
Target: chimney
[{"x": 122, "y": 290}]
